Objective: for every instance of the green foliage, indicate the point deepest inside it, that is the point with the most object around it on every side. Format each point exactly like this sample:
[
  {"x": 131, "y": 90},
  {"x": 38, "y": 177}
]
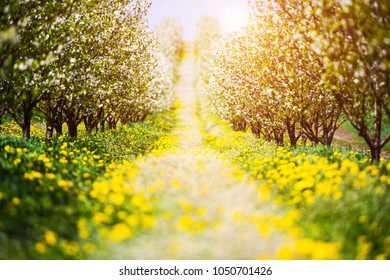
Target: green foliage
[
  {"x": 76, "y": 62},
  {"x": 340, "y": 196},
  {"x": 45, "y": 187}
]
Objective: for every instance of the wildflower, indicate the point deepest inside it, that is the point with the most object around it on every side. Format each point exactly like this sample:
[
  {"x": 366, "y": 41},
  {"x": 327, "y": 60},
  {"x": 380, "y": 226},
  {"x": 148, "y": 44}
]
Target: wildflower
[
  {"x": 380, "y": 257},
  {"x": 32, "y": 175},
  {"x": 138, "y": 200},
  {"x": 363, "y": 219},
  {"x": 133, "y": 220},
  {"x": 117, "y": 198},
  {"x": 184, "y": 205},
  {"x": 120, "y": 232},
  {"x": 7, "y": 148},
  {"x": 337, "y": 195},
  {"x": 70, "y": 248},
  {"x": 148, "y": 221},
  {"x": 186, "y": 223},
  {"x": 304, "y": 184},
  {"x": 285, "y": 253},
  {"x": 50, "y": 237},
  {"x": 375, "y": 172},
  {"x": 84, "y": 232},
  {"x": 63, "y": 183},
  {"x": 364, "y": 248},
  {"x": 151, "y": 189},
  {"x": 122, "y": 215},
  {"x": 40, "y": 247},
  {"x": 317, "y": 250},
  {"x": 16, "y": 201},
  {"x": 88, "y": 247},
  {"x": 50, "y": 176},
  {"x": 17, "y": 161},
  {"x": 109, "y": 210},
  {"x": 201, "y": 211},
  {"x": 99, "y": 218},
  {"x": 362, "y": 175}
]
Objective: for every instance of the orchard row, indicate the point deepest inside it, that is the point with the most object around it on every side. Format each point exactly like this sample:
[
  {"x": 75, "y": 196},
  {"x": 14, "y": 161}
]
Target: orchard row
[
  {"x": 91, "y": 62},
  {"x": 300, "y": 68}
]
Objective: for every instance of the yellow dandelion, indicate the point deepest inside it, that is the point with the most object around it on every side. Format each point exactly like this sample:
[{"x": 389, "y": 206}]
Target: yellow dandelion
[
  {"x": 16, "y": 201},
  {"x": 120, "y": 232},
  {"x": 201, "y": 211},
  {"x": 122, "y": 215},
  {"x": 133, "y": 220},
  {"x": 88, "y": 247},
  {"x": 7, "y": 148},
  {"x": 285, "y": 253},
  {"x": 50, "y": 237},
  {"x": 337, "y": 195},
  {"x": 99, "y": 218},
  {"x": 40, "y": 247},
  {"x": 186, "y": 223},
  {"x": 50, "y": 176},
  {"x": 117, "y": 198},
  {"x": 148, "y": 221},
  {"x": 70, "y": 248}
]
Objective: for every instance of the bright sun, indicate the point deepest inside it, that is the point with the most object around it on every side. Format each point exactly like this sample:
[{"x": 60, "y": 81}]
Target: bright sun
[{"x": 234, "y": 18}]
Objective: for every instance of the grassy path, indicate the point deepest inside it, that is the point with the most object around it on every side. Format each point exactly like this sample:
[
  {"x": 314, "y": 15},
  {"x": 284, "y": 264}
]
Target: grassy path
[{"x": 206, "y": 207}]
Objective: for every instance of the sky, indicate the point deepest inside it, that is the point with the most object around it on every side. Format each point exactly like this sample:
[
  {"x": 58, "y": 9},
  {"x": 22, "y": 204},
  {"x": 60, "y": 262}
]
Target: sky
[{"x": 231, "y": 13}]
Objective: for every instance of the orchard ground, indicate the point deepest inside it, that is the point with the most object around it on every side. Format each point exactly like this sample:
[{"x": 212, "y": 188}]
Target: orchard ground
[{"x": 199, "y": 191}]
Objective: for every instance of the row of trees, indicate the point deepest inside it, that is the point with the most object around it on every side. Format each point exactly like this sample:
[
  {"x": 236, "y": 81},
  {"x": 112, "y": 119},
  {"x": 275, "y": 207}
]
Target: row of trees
[
  {"x": 208, "y": 33},
  {"x": 80, "y": 61},
  {"x": 170, "y": 35},
  {"x": 302, "y": 66}
]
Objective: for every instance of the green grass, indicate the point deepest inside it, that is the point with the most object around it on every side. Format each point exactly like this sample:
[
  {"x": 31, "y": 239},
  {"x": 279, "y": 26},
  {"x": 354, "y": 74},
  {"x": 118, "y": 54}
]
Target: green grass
[{"x": 45, "y": 187}]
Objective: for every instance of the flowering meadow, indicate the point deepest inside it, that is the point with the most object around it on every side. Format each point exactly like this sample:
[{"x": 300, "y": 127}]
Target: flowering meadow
[
  {"x": 57, "y": 198},
  {"x": 132, "y": 144}
]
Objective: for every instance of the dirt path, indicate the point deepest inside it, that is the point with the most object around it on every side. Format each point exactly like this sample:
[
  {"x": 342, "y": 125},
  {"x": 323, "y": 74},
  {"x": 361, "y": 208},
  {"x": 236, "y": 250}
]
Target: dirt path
[{"x": 202, "y": 199}]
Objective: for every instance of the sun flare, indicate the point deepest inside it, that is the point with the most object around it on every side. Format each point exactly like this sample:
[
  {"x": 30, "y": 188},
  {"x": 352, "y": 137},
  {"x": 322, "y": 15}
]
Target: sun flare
[{"x": 234, "y": 18}]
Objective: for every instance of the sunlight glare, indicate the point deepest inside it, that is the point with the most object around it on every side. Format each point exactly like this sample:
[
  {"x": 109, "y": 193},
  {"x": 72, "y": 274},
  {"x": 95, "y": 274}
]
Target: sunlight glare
[{"x": 234, "y": 18}]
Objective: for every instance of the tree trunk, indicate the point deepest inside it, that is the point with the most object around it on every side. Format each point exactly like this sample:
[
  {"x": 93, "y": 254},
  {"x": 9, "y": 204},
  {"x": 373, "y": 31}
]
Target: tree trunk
[
  {"x": 143, "y": 117},
  {"x": 279, "y": 137},
  {"x": 239, "y": 125},
  {"x": 102, "y": 126},
  {"x": 72, "y": 128},
  {"x": 329, "y": 138},
  {"x": 88, "y": 126},
  {"x": 256, "y": 130},
  {"x": 58, "y": 128},
  {"x": 27, "y": 122},
  {"x": 49, "y": 129},
  {"x": 291, "y": 131},
  {"x": 304, "y": 139},
  {"x": 111, "y": 123},
  {"x": 375, "y": 154},
  {"x": 27, "y": 131}
]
